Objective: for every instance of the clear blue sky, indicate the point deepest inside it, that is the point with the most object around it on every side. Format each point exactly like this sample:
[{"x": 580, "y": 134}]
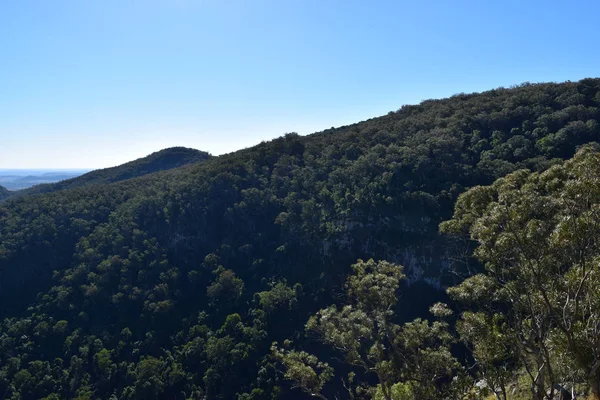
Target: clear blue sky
[{"x": 88, "y": 84}]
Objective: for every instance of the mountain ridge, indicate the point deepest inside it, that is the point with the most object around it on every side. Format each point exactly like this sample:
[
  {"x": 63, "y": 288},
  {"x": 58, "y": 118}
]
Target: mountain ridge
[{"x": 161, "y": 160}]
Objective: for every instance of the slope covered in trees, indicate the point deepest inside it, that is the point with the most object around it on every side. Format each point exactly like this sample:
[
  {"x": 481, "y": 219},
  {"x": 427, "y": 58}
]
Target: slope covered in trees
[
  {"x": 175, "y": 285},
  {"x": 159, "y": 161},
  {"x": 534, "y": 309},
  {"x": 4, "y": 192}
]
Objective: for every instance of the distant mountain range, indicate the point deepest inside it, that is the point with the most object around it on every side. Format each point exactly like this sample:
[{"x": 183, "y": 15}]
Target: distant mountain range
[{"x": 25, "y": 178}]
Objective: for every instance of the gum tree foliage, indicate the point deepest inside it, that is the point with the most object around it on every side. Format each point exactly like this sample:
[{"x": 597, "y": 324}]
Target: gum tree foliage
[
  {"x": 412, "y": 360},
  {"x": 537, "y": 305}
]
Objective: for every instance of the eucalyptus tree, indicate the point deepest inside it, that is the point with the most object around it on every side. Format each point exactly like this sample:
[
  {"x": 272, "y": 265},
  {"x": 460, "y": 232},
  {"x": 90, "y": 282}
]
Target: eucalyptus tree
[
  {"x": 409, "y": 361},
  {"x": 537, "y": 305}
]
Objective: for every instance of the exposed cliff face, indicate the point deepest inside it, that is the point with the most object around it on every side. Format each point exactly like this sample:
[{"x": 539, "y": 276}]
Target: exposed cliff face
[{"x": 426, "y": 261}]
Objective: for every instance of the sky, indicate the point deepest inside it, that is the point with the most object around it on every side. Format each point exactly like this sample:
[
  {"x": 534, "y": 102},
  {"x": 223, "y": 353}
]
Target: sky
[{"x": 95, "y": 83}]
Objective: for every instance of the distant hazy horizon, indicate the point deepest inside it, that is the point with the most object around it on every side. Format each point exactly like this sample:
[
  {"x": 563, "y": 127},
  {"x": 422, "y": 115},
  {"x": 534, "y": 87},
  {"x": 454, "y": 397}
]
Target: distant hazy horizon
[
  {"x": 17, "y": 179},
  {"x": 28, "y": 171}
]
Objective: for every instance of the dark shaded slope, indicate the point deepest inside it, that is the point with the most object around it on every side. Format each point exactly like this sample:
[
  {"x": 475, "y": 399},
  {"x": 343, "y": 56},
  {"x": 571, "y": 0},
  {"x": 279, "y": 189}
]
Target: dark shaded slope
[
  {"x": 4, "y": 192},
  {"x": 159, "y": 161},
  {"x": 155, "y": 287}
]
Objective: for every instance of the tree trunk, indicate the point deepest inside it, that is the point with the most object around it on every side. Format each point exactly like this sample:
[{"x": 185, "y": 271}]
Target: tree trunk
[
  {"x": 594, "y": 381},
  {"x": 595, "y": 388},
  {"x": 538, "y": 390}
]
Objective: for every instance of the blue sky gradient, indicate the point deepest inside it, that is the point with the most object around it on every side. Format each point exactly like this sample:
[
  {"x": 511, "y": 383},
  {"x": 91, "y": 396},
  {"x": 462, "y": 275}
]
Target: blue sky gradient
[{"x": 89, "y": 84}]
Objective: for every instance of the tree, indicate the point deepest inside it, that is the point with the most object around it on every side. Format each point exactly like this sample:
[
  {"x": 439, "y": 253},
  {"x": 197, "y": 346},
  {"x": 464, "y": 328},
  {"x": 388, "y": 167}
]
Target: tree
[
  {"x": 149, "y": 380},
  {"x": 227, "y": 288},
  {"x": 304, "y": 369},
  {"x": 279, "y": 297},
  {"x": 412, "y": 358},
  {"x": 538, "y": 236}
]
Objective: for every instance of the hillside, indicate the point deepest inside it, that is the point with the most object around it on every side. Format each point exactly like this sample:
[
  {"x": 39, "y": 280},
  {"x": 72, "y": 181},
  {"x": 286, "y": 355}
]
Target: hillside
[
  {"x": 4, "y": 192},
  {"x": 159, "y": 161},
  {"x": 174, "y": 285}
]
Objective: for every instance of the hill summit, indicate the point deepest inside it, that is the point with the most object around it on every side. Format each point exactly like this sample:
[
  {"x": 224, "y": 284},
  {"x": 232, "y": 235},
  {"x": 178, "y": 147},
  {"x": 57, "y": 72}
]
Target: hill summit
[{"x": 162, "y": 160}]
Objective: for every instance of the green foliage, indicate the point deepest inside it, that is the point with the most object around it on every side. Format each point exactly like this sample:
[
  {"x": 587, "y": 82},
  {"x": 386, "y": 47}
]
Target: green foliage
[
  {"x": 279, "y": 297},
  {"x": 226, "y": 287},
  {"x": 536, "y": 305},
  {"x": 304, "y": 369},
  {"x": 4, "y": 193},
  {"x": 112, "y": 278},
  {"x": 398, "y": 391},
  {"x": 412, "y": 360}
]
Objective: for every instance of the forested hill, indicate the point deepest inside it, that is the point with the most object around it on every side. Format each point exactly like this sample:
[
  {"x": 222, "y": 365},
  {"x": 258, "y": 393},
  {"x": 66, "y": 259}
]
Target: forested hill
[
  {"x": 4, "y": 192},
  {"x": 159, "y": 161},
  {"x": 174, "y": 285}
]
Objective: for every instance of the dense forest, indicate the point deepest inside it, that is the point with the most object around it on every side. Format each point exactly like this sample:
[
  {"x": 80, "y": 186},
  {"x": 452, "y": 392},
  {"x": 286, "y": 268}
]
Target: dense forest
[
  {"x": 4, "y": 192},
  {"x": 447, "y": 250}
]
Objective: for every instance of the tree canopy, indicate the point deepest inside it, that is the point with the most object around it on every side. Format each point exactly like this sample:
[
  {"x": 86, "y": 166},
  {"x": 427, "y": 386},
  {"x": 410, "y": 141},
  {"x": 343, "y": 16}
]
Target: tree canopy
[
  {"x": 175, "y": 284},
  {"x": 536, "y": 305}
]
